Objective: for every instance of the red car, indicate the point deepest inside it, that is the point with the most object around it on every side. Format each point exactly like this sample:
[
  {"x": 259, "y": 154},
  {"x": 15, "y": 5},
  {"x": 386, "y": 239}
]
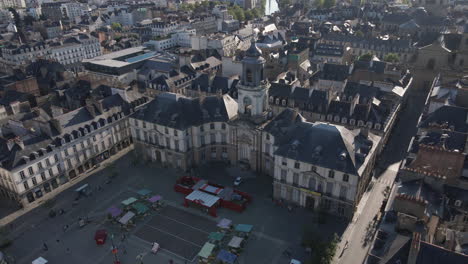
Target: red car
[{"x": 100, "y": 237}]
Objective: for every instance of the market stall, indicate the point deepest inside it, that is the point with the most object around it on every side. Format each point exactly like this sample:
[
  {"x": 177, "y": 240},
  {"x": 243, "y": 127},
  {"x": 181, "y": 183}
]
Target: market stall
[
  {"x": 155, "y": 201},
  {"x": 114, "y": 211},
  {"x": 129, "y": 201},
  {"x": 224, "y": 224},
  {"x": 226, "y": 257},
  {"x": 126, "y": 218},
  {"x": 206, "y": 252},
  {"x": 140, "y": 208},
  {"x": 236, "y": 242},
  {"x": 215, "y": 237},
  {"x": 243, "y": 230},
  {"x": 203, "y": 200},
  {"x": 40, "y": 260},
  {"x": 144, "y": 192}
]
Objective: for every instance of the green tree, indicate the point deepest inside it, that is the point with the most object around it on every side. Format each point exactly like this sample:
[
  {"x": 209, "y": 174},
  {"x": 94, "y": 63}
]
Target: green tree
[
  {"x": 248, "y": 14},
  {"x": 359, "y": 34},
  {"x": 329, "y": 3},
  {"x": 256, "y": 12},
  {"x": 116, "y": 26},
  {"x": 366, "y": 57},
  {"x": 240, "y": 15},
  {"x": 318, "y": 3},
  {"x": 391, "y": 57}
]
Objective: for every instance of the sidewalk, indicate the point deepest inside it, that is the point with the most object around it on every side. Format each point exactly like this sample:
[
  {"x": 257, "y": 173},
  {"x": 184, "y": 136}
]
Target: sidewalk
[
  {"x": 356, "y": 249},
  {"x": 13, "y": 216}
]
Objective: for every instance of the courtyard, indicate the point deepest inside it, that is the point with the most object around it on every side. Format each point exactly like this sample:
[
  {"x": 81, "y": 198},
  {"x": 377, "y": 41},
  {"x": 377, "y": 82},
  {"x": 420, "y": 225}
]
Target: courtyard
[{"x": 180, "y": 231}]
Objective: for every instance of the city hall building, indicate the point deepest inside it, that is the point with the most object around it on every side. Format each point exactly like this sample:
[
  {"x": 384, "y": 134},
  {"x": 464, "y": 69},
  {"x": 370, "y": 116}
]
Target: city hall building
[{"x": 315, "y": 165}]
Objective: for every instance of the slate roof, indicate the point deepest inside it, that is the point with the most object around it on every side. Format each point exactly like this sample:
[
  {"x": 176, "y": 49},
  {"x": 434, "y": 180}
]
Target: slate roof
[
  {"x": 374, "y": 66},
  {"x": 318, "y": 101},
  {"x": 180, "y": 112},
  {"x": 365, "y": 92},
  {"x": 396, "y": 18},
  {"x": 300, "y": 94},
  {"x": 452, "y": 41},
  {"x": 432, "y": 254},
  {"x": 392, "y": 44},
  {"x": 399, "y": 250},
  {"x": 329, "y": 50},
  {"x": 282, "y": 123},
  {"x": 452, "y": 141},
  {"x": 335, "y": 72},
  {"x": 280, "y": 89},
  {"x": 330, "y": 146},
  {"x": 339, "y": 108},
  {"x": 448, "y": 116},
  {"x": 158, "y": 66},
  {"x": 14, "y": 157}
]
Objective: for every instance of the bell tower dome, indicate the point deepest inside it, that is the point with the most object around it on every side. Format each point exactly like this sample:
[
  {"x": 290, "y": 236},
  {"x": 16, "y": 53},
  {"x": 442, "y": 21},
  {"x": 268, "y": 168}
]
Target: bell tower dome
[{"x": 253, "y": 88}]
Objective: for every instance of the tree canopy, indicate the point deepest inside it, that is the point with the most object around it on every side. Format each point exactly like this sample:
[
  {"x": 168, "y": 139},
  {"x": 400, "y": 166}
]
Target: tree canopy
[
  {"x": 366, "y": 57},
  {"x": 329, "y": 3},
  {"x": 391, "y": 57},
  {"x": 323, "y": 248},
  {"x": 325, "y": 3},
  {"x": 116, "y": 26},
  {"x": 234, "y": 10}
]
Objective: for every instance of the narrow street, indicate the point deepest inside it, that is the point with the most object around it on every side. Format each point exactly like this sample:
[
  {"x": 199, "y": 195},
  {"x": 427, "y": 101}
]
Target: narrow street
[{"x": 360, "y": 231}]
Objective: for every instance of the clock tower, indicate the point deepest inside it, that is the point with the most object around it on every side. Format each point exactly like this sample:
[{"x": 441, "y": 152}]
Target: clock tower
[{"x": 253, "y": 88}]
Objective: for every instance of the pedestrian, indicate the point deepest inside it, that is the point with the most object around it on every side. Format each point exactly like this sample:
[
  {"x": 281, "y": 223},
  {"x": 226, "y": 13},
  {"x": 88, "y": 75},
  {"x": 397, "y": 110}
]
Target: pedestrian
[
  {"x": 45, "y": 246},
  {"x": 124, "y": 250}
]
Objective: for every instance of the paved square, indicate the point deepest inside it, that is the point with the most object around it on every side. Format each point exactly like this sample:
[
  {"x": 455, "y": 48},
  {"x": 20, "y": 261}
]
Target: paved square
[{"x": 180, "y": 232}]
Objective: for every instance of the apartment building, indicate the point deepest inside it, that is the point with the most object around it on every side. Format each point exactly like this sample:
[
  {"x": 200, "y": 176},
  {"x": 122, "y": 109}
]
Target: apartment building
[
  {"x": 73, "y": 49},
  {"x": 46, "y": 151}
]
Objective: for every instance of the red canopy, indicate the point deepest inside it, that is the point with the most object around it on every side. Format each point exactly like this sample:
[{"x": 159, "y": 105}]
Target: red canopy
[{"x": 100, "y": 236}]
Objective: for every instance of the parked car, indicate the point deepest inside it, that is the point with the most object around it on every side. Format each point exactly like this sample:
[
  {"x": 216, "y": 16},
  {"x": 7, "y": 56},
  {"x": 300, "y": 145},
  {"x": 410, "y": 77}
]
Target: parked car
[{"x": 237, "y": 181}]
